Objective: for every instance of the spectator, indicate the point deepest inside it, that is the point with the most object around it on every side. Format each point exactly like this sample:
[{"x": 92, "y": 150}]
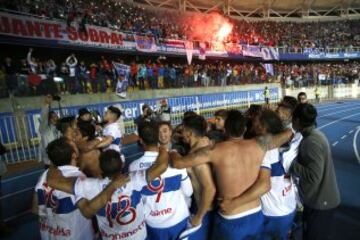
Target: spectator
[
  {"x": 72, "y": 62},
  {"x": 315, "y": 168},
  {"x": 47, "y": 129},
  {"x": 302, "y": 97},
  {"x": 10, "y": 75}
]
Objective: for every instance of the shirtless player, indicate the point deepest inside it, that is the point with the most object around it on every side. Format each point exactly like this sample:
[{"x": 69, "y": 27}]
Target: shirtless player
[
  {"x": 204, "y": 187},
  {"x": 236, "y": 164}
]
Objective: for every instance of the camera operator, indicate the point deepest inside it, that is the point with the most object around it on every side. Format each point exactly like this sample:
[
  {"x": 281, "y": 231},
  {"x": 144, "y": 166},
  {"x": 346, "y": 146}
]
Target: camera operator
[
  {"x": 146, "y": 116},
  {"x": 164, "y": 111},
  {"x": 47, "y": 129}
]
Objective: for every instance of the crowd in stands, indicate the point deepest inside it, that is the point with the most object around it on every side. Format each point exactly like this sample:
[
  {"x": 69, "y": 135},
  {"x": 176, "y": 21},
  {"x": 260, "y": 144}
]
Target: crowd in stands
[
  {"x": 33, "y": 76},
  {"x": 127, "y": 16}
]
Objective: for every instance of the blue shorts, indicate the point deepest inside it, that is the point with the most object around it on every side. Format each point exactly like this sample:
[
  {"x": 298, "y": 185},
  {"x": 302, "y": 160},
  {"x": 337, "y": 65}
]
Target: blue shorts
[
  {"x": 204, "y": 232},
  {"x": 170, "y": 233},
  {"x": 278, "y": 227},
  {"x": 245, "y": 227}
]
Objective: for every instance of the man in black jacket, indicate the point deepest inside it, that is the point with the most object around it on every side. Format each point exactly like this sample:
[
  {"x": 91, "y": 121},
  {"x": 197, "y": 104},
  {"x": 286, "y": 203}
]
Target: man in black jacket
[{"x": 315, "y": 168}]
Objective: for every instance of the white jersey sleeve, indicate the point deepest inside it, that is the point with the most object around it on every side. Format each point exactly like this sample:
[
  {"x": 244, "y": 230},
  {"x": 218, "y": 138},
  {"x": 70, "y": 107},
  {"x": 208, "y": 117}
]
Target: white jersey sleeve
[{"x": 86, "y": 188}]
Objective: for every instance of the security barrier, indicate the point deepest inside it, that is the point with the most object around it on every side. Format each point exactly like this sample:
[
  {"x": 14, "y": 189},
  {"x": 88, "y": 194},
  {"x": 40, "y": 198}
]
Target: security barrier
[{"x": 19, "y": 131}]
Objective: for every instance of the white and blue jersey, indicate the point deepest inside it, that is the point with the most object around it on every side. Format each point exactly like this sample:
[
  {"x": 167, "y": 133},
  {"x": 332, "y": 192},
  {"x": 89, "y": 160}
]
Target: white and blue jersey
[
  {"x": 113, "y": 130},
  {"x": 59, "y": 216},
  {"x": 123, "y": 216},
  {"x": 280, "y": 200},
  {"x": 165, "y": 199}
]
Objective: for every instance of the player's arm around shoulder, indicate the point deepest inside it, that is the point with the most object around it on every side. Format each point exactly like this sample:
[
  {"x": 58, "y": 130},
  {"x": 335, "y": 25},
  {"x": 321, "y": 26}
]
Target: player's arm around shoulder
[
  {"x": 159, "y": 167},
  {"x": 56, "y": 180},
  {"x": 195, "y": 158},
  {"x": 90, "y": 207}
]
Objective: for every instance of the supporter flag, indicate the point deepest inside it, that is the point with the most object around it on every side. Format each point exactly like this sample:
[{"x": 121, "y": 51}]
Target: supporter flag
[
  {"x": 270, "y": 53},
  {"x": 145, "y": 43},
  {"x": 251, "y": 51},
  {"x": 123, "y": 72},
  {"x": 189, "y": 47},
  {"x": 269, "y": 68},
  {"x": 202, "y": 51}
]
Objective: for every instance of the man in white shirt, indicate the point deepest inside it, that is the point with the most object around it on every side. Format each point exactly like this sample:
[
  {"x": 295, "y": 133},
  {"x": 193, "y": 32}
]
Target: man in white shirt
[
  {"x": 72, "y": 62},
  {"x": 47, "y": 129},
  {"x": 122, "y": 216},
  {"x": 166, "y": 208},
  {"x": 111, "y": 134}
]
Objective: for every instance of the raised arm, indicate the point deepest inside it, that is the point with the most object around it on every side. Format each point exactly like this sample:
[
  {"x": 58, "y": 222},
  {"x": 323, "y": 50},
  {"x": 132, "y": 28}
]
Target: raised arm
[
  {"x": 261, "y": 186},
  {"x": 90, "y": 207},
  {"x": 44, "y": 116},
  {"x": 159, "y": 167},
  {"x": 200, "y": 156},
  {"x": 268, "y": 141}
]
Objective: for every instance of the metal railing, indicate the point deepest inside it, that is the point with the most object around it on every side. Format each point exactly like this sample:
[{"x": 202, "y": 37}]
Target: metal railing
[{"x": 19, "y": 132}]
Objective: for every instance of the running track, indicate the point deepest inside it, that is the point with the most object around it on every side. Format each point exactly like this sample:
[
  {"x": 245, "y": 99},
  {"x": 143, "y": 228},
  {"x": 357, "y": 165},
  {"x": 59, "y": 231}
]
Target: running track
[{"x": 340, "y": 122}]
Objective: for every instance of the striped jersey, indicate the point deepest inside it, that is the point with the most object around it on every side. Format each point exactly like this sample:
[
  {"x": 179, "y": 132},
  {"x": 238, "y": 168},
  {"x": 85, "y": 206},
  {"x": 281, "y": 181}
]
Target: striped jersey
[
  {"x": 59, "y": 217},
  {"x": 123, "y": 216},
  {"x": 165, "y": 197},
  {"x": 113, "y": 130},
  {"x": 280, "y": 200}
]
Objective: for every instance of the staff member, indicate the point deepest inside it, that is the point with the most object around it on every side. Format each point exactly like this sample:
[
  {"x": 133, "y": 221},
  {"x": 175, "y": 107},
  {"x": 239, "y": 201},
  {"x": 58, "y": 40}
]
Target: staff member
[
  {"x": 315, "y": 168},
  {"x": 47, "y": 129}
]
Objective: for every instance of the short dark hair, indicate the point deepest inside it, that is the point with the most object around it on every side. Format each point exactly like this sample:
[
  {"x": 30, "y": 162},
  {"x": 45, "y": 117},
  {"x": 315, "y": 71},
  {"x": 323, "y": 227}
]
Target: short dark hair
[
  {"x": 65, "y": 123},
  {"x": 189, "y": 113},
  {"x": 110, "y": 163},
  {"x": 51, "y": 113},
  {"x": 221, "y": 113},
  {"x": 253, "y": 110},
  {"x": 115, "y": 111},
  {"x": 145, "y": 106},
  {"x": 167, "y": 123},
  {"x": 60, "y": 152},
  {"x": 235, "y": 124},
  {"x": 87, "y": 129},
  {"x": 289, "y": 102},
  {"x": 301, "y": 94},
  {"x": 149, "y": 133},
  {"x": 196, "y": 124},
  {"x": 271, "y": 121},
  {"x": 306, "y": 114},
  {"x": 83, "y": 111},
  {"x": 216, "y": 135}
]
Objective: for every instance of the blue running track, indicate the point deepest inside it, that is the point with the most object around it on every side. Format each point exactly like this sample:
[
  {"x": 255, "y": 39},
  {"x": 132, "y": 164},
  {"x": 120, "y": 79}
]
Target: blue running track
[{"x": 340, "y": 122}]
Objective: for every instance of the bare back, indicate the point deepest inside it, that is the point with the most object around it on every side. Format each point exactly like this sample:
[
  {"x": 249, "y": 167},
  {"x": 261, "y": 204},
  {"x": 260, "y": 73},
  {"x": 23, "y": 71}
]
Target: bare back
[
  {"x": 236, "y": 166},
  {"x": 89, "y": 163}
]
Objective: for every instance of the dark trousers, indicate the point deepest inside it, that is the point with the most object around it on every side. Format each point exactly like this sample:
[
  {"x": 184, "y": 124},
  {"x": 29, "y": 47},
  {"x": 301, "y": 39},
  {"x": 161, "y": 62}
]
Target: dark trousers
[{"x": 316, "y": 223}]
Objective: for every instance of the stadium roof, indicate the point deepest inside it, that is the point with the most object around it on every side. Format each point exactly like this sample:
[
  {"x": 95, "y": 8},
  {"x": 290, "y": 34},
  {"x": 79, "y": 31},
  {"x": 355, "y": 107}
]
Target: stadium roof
[{"x": 259, "y": 9}]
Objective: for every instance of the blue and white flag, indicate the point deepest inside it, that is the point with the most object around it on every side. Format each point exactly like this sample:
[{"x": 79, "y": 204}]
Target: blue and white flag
[
  {"x": 123, "y": 72},
  {"x": 251, "y": 51},
  {"x": 269, "y": 68},
  {"x": 270, "y": 53}
]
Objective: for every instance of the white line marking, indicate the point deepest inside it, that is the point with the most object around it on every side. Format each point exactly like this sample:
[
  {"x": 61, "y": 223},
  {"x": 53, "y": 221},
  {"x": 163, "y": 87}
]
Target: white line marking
[
  {"x": 334, "y": 113},
  {"x": 343, "y": 137},
  {"x": 350, "y": 132},
  {"x": 335, "y": 143},
  {"x": 355, "y": 145},
  {"x": 339, "y": 120},
  {"x": 332, "y": 107}
]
